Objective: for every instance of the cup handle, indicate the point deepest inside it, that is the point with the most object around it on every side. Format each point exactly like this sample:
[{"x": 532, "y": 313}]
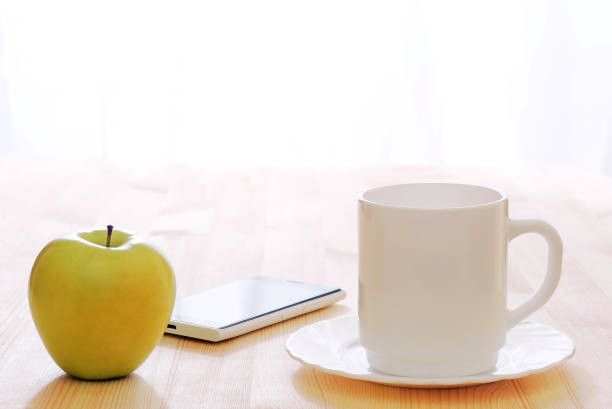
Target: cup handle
[{"x": 553, "y": 271}]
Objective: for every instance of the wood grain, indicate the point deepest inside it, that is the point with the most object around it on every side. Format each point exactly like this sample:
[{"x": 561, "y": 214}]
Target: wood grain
[{"x": 217, "y": 225}]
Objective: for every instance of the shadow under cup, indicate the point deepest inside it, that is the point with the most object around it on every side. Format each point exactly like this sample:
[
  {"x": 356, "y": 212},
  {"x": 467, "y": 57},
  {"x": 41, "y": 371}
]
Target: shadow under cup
[{"x": 432, "y": 278}]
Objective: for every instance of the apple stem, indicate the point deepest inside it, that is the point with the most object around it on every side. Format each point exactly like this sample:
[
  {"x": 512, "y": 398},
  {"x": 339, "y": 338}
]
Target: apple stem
[{"x": 109, "y": 233}]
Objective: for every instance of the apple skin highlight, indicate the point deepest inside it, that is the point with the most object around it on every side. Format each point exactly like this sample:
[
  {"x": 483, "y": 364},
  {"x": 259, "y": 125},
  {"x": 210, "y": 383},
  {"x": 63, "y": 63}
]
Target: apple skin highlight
[{"x": 99, "y": 310}]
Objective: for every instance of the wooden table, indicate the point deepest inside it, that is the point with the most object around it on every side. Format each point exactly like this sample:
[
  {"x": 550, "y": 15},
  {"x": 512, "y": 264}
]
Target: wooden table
[{"x": 221, "y": 224}]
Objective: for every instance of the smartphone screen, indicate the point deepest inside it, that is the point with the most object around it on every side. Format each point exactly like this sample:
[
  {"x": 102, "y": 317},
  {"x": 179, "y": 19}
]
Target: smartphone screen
[{"x": 244, "y": 300}]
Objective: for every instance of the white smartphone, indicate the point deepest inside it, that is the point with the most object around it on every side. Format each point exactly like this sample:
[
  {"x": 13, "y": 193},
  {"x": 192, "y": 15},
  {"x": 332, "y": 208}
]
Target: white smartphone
[{"x": 245, "y": 305}]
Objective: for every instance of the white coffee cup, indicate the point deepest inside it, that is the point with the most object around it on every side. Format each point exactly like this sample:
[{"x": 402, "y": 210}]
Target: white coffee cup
[{"x": 432, "y": 277}]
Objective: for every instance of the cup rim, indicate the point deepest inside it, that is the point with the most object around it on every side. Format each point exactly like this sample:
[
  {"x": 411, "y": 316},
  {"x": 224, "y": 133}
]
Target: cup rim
[{"x": 502, "y": 197}]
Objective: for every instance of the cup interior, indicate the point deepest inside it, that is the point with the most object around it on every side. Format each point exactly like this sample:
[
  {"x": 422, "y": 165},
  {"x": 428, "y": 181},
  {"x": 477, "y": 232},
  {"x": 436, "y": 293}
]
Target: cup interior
[{"x": 432, "y": 196}]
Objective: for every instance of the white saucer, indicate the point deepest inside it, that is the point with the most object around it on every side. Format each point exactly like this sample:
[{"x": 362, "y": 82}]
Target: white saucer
[{"x": 332, "y": 346}]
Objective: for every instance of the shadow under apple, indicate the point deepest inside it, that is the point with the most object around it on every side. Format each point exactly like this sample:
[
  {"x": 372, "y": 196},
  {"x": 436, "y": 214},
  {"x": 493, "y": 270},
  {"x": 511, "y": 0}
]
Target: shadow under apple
[{"x": 130, "y": 391}]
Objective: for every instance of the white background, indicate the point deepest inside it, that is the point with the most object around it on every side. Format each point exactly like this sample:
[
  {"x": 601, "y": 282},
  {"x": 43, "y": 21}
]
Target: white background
[{"x": 322, "y": 82}]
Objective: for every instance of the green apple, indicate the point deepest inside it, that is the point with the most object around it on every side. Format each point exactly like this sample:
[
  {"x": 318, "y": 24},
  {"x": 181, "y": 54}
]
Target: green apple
[{"x": 101, "y": 301}]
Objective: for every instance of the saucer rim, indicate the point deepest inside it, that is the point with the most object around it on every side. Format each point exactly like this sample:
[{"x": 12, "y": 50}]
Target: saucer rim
[{"x": 459, "y": 381}]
